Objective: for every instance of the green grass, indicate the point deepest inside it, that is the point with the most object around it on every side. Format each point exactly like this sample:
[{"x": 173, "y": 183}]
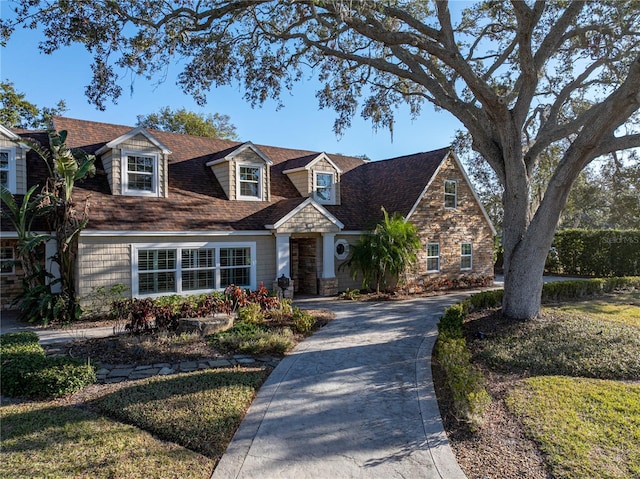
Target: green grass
[
  {"x": 568, "y": 345},
  {"x": 163, "y": 427},
  {"x": 619, "y": 308},
  {"x": 40, "y": 439},
  {"x": 588, "y": 428},
  {"x": 579, "y": 396},
  {"x": 200, "y": 410}
]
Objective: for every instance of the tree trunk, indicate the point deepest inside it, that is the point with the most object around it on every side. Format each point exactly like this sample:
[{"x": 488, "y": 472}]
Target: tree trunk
[
  {"x": 523, "y": 282},
  {"x": 527, "y": 242}
]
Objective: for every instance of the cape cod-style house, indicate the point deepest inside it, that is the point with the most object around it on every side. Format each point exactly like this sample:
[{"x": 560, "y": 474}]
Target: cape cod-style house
[{"x": 173, "y": 213}]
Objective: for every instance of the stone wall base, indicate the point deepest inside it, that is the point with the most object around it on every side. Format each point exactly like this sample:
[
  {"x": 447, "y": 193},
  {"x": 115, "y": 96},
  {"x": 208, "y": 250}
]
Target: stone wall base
[
  {"x": 288, "y": 293},
  {"x": 327, "y": 286}
]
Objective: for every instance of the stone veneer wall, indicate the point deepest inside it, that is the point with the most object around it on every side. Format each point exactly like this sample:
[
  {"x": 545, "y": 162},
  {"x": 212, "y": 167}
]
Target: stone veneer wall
[
  {"x": 10, "y": 283},
  {"x": 450, "y": 228}
]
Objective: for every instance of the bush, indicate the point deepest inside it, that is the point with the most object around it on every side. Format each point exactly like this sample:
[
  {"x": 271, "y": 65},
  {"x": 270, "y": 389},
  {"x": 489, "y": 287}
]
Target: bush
[
  {"x": 350, "y": 294},
  {"x": 598, "y": 252},
  {"x": 586, "y": 287},
  {"x": 465, "y": 382},
  {"x": 282, "y": 312},
  {"x": 450, "y": 325},
  {"x": 303, "y": 321},
  {"x": 485, "y": 300},
  {"x": 27, "y": 372},
  {"x": 251, "y": 313},
  {"x": 248, "y": 338}
]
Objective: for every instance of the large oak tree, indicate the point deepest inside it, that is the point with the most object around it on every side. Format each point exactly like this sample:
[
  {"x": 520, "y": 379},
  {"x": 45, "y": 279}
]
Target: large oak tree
[{"x": 521, "y": 76}]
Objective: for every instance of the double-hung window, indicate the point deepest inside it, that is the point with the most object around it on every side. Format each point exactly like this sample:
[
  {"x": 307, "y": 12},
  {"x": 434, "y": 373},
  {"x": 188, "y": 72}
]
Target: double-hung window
[
  {"x": 249, "y": 182},
  {"x": 157, "y": 271},
  {"x": 198, "y": 269},
  {"x": 433, "y": 257},
  {"x": 7, "y": 258},
  {"x": 140, "y": 174},
  {"x": 324, "y": 186},
  {"x": 187, "y": 268},
  {"x": 450, "y": 194},
  {"x": 8, "y": 168},
  {"x": 235, "y": 266},
  {"x": 466, "y": 256}
]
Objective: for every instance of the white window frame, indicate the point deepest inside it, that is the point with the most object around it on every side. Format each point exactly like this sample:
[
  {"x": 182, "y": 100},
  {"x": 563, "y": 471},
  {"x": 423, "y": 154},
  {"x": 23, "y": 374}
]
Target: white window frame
[
  {"x": 345, "y": 253},
  {"x": 331, "y": 188},
  {"x": 437, "y": 257},
  {"x": 11, "y": 168},
  {"x": 455, "y": 194},
  {"x": 260, "y": 169},
  {"x": 155, "y": 176},
  {"x": 135, "y": 285},
  {"x": 12, "y": 259},
  {"x": 464, "y": 256}
]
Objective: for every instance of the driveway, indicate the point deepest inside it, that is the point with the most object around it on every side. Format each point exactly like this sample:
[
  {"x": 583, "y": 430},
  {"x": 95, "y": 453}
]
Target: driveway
[{"x": 356, "y": 400}]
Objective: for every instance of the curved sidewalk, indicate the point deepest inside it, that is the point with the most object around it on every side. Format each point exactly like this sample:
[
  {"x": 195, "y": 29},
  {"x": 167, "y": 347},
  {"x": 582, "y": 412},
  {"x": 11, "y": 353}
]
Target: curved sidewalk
[{"x": 356, "y": 400}]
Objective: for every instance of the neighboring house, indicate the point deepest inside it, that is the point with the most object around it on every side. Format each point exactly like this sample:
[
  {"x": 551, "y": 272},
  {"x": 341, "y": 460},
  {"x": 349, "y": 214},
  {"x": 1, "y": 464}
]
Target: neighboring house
[{"x": 172, "y": 213}]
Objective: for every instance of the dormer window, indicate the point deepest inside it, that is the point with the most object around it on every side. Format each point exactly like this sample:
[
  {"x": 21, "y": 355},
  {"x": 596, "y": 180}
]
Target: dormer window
[
  {"x": 140, "y": 174},
  {"x": 324, "y": 187},
  {"x": 8, "y": 168},
  {"x": 250, "y": 182}
]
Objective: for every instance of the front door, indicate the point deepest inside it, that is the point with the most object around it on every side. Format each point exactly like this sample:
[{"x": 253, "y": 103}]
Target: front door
[{"x": 304, "y": 269}]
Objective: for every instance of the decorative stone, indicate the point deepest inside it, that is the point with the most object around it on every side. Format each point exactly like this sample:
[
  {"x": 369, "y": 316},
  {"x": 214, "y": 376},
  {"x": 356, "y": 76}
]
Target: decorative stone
[
  {"x": 120, "y": 372},
  {"x": 219, "y": 363},
  {"x": 205, "y": 326},
  {"x": 246, "y": 361},
  {"x": 188, "y": 366}
]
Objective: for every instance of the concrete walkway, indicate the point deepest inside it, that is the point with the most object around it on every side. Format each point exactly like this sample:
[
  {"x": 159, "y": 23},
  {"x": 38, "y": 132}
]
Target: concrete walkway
[{"x": 356, "y": 400}]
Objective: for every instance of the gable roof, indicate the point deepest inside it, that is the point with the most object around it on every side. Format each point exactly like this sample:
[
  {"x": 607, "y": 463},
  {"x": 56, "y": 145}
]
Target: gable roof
[
  {"x": 130, "y": 134},
  {"x": 197, "y": 202},
  {"x": 307, "y": 162},
  {"x": 235, "y": 151}
]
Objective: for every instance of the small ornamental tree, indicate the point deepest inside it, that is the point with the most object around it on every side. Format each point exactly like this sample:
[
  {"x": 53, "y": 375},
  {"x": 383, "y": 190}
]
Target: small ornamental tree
[
  {"x": 56, "y": 205},
  {"x": 389, "y": 250}
]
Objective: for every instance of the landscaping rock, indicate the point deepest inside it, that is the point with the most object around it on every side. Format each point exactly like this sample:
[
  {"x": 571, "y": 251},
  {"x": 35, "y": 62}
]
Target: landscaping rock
[{"x": 205, "y": 326}]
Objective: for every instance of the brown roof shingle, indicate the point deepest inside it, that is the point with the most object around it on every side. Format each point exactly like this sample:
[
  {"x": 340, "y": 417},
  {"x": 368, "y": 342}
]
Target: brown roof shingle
[{"x": 197, "y": 202}]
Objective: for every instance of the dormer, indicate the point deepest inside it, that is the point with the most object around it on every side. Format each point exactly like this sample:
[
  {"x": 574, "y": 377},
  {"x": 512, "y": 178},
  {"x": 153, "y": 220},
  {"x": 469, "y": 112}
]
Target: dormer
[
  {"x": 13, "y": 162},
  {"x": 136, "y": 164},
  {"x": 316, "y": 176},
  {"x": 244, "y": 173}
]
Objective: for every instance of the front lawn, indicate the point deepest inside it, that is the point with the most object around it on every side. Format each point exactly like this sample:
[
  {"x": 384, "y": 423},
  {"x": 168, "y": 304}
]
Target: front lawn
[
  {"x": 565, "y": 389},
  {"x": 586, "y": 427},
  {"x": 175, "y": 426},
  {"x": 43, "y": 439}
]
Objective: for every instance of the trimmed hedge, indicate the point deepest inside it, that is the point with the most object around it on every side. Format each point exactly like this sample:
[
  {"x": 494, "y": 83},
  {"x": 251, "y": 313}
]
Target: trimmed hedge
[
  {"x": 598, "y": 252},
  {"x": 26, "y": 371},
  {"x": 465, "y": 382}
]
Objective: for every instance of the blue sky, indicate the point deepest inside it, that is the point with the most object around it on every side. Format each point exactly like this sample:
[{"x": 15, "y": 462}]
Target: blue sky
[{"x": 46, "y": 79}]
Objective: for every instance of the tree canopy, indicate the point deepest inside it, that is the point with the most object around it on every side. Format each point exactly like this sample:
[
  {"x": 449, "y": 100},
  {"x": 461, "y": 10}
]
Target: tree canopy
[
  {"x": 521, "y": 76},
  {"x": 188, "y": 122},
  {"x": 17, "y": 112}
]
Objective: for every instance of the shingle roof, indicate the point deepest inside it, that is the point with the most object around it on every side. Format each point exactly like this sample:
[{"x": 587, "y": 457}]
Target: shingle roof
[{"x": 197, "y": 201}]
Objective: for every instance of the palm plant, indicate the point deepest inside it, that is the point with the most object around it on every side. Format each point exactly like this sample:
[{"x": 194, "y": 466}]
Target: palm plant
[
  {"x": 389, "y": 250},
  {"x": 55, "y": 203}
]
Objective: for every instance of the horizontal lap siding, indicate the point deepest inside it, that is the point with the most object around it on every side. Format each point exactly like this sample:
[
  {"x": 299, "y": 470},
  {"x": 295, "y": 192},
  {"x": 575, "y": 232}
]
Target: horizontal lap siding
[{"x": 106, "y": 261}]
